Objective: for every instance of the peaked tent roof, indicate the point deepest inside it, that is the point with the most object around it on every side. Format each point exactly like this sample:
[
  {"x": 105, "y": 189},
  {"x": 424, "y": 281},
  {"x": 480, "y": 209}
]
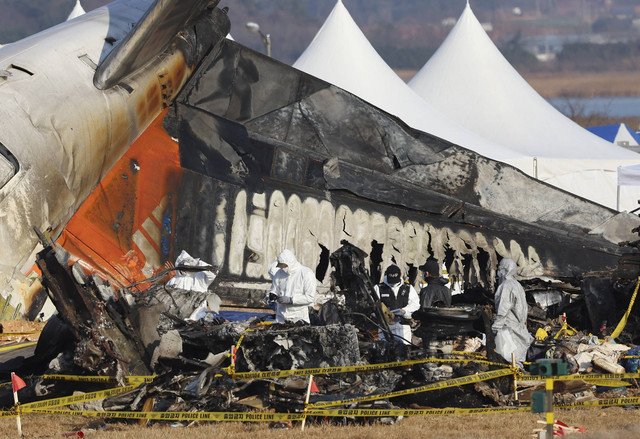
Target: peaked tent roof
[
  {"x": 617, "y": 132},
  {"x": 76, "y": 11},
  {"x": 470, "y": 81},
  {"x": 341, "y": 55}
]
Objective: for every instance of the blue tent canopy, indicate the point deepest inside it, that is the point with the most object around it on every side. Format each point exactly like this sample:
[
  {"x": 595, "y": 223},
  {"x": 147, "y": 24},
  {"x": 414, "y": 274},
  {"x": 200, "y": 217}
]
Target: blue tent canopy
[{"x": 610, "y": 132}]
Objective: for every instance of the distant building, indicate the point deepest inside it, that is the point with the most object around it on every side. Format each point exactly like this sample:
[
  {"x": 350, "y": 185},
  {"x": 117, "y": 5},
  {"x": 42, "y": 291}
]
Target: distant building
[{"x": 547, "y": 47}]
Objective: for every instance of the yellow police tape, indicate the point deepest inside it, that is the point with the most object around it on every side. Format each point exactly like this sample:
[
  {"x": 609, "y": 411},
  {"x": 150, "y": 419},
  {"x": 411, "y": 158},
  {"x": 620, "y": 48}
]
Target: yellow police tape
[
  {"x": 100, "y": 379},
  {"x": 8, "y": 413},
  {"x": 426, "y": 388},
  {"x": 39, "y": 408},
  {"x": 607, "y": 383},
  {"x": 262, "y": 417},
  {"x": 17, "y": 346},
  {"x": 360, "y": 368},
  {"x": 623, "y": 321},
  {"x": 182, "y": 416},
  {"x": 602, "y": 402},
  {"x": 282, "y": 373},
  {"x": 584, "y": 377},
  {"x": 17, "y": 334},
  {"x": 66, "y": 400},
  {"x": 417, "y": 412}
]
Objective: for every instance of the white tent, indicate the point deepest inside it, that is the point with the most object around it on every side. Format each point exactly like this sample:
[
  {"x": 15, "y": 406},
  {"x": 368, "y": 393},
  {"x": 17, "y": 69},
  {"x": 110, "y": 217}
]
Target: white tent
[
  {"x": 628, "y": 176},
  {"x": 76, "y": 11},
  {"x": 341, "y": 55},
  {"x": 469, "y": 80}
]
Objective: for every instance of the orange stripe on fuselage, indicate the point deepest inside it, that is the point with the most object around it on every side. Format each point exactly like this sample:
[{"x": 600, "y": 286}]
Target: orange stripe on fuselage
[{"x": 101, "y": 232}]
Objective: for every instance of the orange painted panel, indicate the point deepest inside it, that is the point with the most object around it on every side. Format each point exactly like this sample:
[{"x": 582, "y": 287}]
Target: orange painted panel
[{"x": 124, "y": 224}]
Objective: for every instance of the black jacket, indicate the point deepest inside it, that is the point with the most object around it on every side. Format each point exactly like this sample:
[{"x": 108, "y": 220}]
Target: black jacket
[
  {"x": 388, "y": 298},
  {"x": 435, "y": 293}
]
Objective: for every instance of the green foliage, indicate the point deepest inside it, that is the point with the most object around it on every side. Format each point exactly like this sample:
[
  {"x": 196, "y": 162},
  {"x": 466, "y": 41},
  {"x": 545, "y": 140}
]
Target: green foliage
[
  {"x": 518, "y": 57},
  {"x": 611, "y": 24}
]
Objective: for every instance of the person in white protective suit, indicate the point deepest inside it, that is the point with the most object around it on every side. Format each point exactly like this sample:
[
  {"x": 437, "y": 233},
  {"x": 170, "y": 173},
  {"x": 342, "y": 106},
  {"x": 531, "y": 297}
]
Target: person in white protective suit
[
  {"x": 401, "y": 299},
  {"x": 509, "y": 325},
  {"x": 294, "y": 289}
]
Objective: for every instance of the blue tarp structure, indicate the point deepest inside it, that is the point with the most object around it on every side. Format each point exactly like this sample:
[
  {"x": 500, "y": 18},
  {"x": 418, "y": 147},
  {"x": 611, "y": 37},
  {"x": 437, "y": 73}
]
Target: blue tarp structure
[{"x": 617, "y": 132}]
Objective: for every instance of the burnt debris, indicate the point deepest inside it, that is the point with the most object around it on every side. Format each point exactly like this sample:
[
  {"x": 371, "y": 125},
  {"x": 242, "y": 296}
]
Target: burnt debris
[{"x": 197, "y": 364}]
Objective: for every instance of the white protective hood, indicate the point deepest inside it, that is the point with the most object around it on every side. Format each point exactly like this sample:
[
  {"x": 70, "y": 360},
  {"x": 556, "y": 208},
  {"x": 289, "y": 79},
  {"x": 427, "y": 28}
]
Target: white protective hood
[{"x": 469, "y": 80}]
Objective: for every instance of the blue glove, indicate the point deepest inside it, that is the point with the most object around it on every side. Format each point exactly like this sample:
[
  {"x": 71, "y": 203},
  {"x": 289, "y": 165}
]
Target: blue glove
[{"x": 284, "y": 299}]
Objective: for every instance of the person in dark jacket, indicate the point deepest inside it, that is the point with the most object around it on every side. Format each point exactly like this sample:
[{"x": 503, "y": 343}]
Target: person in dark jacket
[
  {"x": 435, "y": 293},
  {"x": 401, "y": 299}
]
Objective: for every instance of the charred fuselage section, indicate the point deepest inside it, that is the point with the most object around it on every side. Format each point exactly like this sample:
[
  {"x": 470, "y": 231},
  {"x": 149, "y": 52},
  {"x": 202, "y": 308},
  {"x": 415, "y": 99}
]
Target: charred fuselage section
[{"x": 279, "y": 159}]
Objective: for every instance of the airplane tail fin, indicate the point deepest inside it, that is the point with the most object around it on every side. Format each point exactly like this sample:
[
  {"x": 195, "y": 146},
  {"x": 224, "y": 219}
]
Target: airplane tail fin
[{"x": 150, "y": 37}]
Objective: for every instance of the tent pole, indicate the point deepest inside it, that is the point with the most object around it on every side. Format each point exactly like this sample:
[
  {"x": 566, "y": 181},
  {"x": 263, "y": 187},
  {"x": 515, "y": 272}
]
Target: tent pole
[{"x": 618, "y": 198}]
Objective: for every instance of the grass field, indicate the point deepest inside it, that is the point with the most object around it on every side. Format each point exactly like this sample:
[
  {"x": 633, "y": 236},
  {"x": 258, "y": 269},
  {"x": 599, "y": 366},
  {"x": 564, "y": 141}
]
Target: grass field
[
  {"x": 552, "y": 85},
  {"x": 571, "y": 85},
  {"x": 605, "y": 423},
  {"x": 560, "y": 84}
]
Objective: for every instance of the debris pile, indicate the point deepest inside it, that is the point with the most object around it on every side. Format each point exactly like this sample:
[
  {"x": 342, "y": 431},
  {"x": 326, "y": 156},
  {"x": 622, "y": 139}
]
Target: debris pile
[{"x": 165, "y": 340}]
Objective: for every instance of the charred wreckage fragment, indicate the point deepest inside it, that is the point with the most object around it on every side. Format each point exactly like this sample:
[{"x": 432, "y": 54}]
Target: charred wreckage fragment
[
  {"x": 270, "y": 158},
  {"x": 141, "y": 332},
  {"x": 148, "y": 329}
]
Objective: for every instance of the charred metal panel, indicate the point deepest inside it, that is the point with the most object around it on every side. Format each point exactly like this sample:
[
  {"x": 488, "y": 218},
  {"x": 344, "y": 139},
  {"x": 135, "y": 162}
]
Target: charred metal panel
[
  {"x": 58, "y": 114},
  {"x": 308, "y": 208},
  {"x": 320, "y": 118},
  {"x": 243, "y": 231},
  {"x": 103, "y": 331},
  {"x": 201, "y": 219},
  {"x": 151, "y": 36},
  {"x": 219, "y": 148}
]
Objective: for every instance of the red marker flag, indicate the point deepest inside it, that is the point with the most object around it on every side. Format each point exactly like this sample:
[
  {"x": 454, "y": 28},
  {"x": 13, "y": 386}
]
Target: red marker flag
[
  {"x": 18, "y": 383},
  {"x": 314, "y": 388}
]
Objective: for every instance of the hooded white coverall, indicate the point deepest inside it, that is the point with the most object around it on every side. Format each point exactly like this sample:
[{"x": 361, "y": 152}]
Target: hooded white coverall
[
  {"x": 511, "y": 310},
  {"x": 297, "y": 282},
  {"x": 398, "y": 328}
]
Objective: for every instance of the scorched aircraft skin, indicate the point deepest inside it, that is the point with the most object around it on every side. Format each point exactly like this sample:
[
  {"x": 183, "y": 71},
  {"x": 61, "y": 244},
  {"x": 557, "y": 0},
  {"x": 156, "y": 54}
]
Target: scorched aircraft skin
[
  {"x": 72, "y": 105},
  {"x": 261, "y": 157},
  {"x": 254, "y": 156}
]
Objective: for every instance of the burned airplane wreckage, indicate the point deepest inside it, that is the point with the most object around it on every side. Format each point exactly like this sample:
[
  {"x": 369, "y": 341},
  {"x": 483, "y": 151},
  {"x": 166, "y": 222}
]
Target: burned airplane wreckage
[{"x": 253, "y": 157}]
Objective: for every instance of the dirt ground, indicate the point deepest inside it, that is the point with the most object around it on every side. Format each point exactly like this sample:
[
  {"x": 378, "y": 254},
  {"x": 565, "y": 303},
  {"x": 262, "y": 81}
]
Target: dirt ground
[
  {"x": 601, "y": 423},
  {"x": 19, "y": 327}
]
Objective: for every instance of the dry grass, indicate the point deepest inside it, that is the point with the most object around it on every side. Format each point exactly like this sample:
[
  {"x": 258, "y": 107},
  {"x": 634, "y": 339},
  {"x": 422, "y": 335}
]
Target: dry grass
[
  {"x": 559, "y": 84},
  {"x": 607, "y": 423},
  {"x": 552, "y": 85},
  {"x": 19, "y": 326}
]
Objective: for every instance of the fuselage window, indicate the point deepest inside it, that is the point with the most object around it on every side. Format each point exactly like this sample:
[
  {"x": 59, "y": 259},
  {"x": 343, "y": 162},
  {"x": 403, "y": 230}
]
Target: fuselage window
[{"x": 8, "y": 165}]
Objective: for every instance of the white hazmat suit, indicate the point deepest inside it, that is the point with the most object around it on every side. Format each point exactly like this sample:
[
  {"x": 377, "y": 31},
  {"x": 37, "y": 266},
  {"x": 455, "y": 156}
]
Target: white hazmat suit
[
  {"x": 295, "y": 287},
  {"x": 511, "y": 315}
]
